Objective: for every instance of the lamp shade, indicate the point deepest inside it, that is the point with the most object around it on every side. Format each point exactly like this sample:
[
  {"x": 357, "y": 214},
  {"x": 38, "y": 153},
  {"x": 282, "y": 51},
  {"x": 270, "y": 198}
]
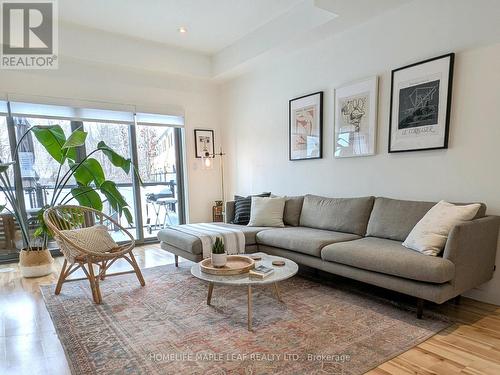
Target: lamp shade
[{"x": 207, "y": 161}]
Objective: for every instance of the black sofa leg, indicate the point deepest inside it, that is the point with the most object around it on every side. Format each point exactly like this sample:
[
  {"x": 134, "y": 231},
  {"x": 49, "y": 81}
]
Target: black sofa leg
[
  {"x": 420, "y": 308},
  {"x": 457, "y": 300},
  {"x": 176, "y": 260}
]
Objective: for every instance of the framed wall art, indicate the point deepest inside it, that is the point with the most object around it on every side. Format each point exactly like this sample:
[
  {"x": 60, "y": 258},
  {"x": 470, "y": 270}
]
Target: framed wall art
[
  {"x": 305, "y": 122},
  {"x": 356, "y": 118},
  {"x": 203, "y": 142},
  {"x": 420, "y": 105}
]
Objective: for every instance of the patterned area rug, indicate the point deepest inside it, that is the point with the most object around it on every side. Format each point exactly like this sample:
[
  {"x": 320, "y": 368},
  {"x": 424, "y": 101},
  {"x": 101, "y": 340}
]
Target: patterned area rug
[{"x": 167, "y": 327}]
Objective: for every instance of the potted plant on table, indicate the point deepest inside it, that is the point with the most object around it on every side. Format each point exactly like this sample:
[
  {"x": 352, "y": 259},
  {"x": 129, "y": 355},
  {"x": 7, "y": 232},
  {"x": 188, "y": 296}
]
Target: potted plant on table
[
  {"x": 219, "y": 256},
  {"x": 34, "y": 258}
]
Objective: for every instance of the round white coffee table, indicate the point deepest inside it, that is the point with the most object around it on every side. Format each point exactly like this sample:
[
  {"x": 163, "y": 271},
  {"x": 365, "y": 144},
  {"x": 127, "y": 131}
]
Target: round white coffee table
[{"x": 280, "y": 273}]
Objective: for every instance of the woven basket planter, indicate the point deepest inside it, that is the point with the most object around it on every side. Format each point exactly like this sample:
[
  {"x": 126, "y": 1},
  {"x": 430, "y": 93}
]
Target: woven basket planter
[{"x": 35, "y": 263}]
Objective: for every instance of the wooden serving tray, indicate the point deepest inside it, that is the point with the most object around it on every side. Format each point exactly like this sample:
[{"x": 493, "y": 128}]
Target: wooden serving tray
[{"x": 236, "y": 265}]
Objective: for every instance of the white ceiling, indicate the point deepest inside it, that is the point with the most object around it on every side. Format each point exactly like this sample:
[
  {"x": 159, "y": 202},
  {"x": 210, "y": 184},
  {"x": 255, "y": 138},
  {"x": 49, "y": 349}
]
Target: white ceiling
[
  {"x": 212, "y": 24},
  {"x": 224, "y": 38}
]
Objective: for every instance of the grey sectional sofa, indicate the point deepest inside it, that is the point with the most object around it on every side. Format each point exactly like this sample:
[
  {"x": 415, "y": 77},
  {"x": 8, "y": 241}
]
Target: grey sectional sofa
[{"x": 361, "y": 238}]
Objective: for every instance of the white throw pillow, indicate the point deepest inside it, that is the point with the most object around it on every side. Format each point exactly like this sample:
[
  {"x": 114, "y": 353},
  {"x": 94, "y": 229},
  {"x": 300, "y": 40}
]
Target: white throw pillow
[
  {"x": 267, "y": 212},
  {"x": 431, "y": 232}
]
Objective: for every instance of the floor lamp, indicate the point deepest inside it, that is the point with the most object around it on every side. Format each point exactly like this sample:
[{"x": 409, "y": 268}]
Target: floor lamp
[{"x": 207, "y": 163}]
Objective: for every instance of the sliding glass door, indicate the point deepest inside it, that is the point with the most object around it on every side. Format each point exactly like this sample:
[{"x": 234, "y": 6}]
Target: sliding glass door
[
  {"x": 157, "y": 150},
  {"x": 7, "y": 224},
  {"x": 154, "y": 191},
  {"x": 38, "y": 171},
  {"x": 117, "y": 137}
]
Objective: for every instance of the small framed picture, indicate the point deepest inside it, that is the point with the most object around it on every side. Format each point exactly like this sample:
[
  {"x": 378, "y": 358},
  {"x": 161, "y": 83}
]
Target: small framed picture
[
  {"x": 204, "y": 142},
  {"x": 420, "y": 105},
  {"x": 356, "y": 118},
  {"x": 305, "y": 127}
]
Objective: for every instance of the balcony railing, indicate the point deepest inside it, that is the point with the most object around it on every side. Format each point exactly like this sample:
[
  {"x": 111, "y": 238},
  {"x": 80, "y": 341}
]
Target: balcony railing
[{"x": 157, "y": 210}]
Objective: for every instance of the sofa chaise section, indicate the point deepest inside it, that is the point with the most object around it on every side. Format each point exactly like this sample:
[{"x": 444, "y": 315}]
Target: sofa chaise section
[{"x": 189, "y": 247}]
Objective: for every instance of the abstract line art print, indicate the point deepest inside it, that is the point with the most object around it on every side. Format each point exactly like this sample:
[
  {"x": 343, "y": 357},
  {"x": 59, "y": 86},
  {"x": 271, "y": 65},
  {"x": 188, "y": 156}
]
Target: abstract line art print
[
  {"x": 420, "y": 105},
  {"x": 356, "y": 118},
  {"x": 305, "y": 127}
]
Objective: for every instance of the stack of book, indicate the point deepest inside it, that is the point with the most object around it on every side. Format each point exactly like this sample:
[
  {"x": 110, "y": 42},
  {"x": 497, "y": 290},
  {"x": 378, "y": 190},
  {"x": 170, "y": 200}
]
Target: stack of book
[{"x": 261, "y": 271}]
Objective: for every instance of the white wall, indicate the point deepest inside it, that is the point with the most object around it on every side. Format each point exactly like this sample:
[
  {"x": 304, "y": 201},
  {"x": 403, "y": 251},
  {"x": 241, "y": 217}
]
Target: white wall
[
  {"x": 256, "y": 117},
  {"x": 95, "y": 81},
  {"x": 88, "y": 44}
]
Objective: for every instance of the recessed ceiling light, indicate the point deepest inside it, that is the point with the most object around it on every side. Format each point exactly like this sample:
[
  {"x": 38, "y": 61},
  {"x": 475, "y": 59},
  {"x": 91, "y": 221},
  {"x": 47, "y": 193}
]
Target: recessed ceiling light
[{"x": 182, "y": 30}]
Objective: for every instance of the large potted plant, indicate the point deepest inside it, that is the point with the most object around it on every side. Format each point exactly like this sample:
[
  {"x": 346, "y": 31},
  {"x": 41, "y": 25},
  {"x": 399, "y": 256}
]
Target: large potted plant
[{"x": 35, "y": 259}]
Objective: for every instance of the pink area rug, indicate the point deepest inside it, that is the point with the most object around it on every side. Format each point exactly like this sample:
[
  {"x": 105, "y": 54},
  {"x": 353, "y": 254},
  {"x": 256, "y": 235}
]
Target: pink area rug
[{"x": 167, "y": 327}]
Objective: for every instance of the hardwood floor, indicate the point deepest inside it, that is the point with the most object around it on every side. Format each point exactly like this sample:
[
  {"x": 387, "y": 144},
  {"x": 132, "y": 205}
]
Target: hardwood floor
[
  {"x": 29, "y": 344},
  {"x": 28, "y": 340},
  {"x": 471, "y": 346}
]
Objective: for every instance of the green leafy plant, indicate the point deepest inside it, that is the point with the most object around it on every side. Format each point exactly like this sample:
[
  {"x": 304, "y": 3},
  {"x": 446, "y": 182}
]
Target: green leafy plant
[
  {"x": 218, "y": 246},
  {"x": 87, "y": 172}
]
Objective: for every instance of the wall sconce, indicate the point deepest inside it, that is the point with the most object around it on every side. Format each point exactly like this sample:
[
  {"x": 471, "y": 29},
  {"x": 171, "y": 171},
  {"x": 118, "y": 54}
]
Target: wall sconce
[{"x": 207, "y": 162}]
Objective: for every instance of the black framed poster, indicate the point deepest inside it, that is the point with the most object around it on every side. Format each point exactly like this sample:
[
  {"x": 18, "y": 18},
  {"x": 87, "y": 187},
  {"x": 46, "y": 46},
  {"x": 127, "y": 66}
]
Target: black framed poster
[
  {"x": 203, "y": 142},
  {"x": 305, "y": 127},
  {"x": 420, "y": 105}
]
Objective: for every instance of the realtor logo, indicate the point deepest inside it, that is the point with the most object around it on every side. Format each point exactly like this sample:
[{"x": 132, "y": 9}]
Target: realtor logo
[{"x": 29, "y": 34}]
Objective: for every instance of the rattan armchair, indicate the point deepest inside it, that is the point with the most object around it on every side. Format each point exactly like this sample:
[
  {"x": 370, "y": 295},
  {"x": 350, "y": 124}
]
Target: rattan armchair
[{"x": 61, "y": 218}]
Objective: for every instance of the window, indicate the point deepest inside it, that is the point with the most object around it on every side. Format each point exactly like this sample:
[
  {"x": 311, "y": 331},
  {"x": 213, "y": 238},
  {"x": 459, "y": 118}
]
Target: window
[
  {"x": 157, "y": 159},
  {"x": 154, "y": 142},
  {"x": 117, "y": 137},
  {"x": 7, "y": 224},
  {"x": 4, "y": 140},
  {"x": 39, "y": 171}
]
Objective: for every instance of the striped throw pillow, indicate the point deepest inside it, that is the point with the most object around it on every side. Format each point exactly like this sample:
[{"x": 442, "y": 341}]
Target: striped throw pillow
[{"x": 242, "y": 207}]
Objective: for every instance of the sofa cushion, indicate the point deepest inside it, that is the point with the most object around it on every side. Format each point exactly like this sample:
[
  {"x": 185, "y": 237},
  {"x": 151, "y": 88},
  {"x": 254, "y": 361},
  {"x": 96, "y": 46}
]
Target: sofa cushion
[
  {"x": 303, "y": 240},
  {"x": 394, "y": 219},
  {"x": 349, "y": 215},
  {"x": 293, "y": 208},
  {"x": 192, "y": 244},
  {"x": 391, "y": 258}
]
